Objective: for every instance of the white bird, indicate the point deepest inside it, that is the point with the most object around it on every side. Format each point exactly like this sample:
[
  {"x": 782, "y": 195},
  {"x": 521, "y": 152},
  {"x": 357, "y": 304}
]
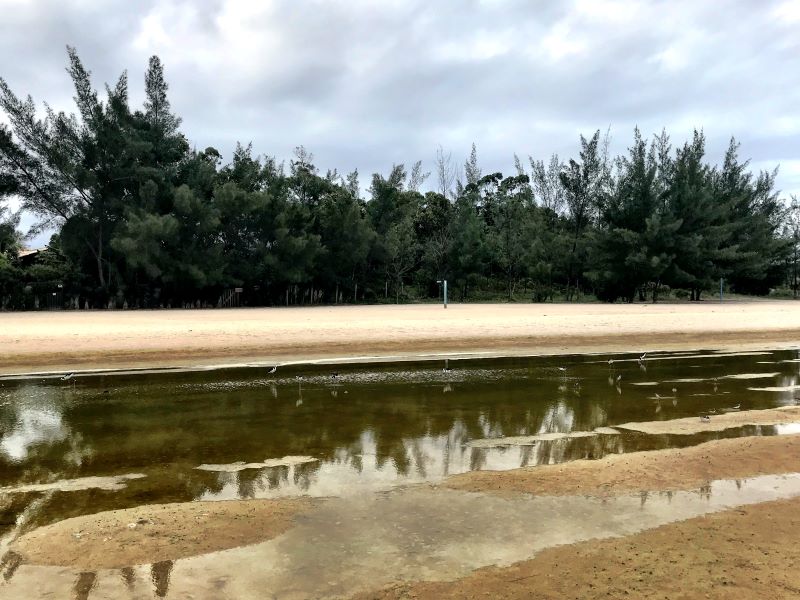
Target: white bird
[
  {"x": 273, "y": 369},
  {"x": 643, "y": 357},
  {"x": 562, "y": 369},
  {"x": 674, "y": 390},
  {"x": 705, "y": 419},
  {"x": 68, "y": 376},
  {"x": 619, "y": 378},
  {"x": 737, "y": 407},
  {"x": 610, "y": 361}
]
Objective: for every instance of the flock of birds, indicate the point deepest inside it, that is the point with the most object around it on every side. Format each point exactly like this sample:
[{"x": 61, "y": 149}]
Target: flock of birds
[
  {"x": 705, "y": 418},
  {"x": 642, "y": 359}
]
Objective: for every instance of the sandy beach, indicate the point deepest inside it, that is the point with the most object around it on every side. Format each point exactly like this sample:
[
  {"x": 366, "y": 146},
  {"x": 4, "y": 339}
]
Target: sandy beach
[
  {"x": 741, "y": 552},
  {"x": 53, "y": 341}
]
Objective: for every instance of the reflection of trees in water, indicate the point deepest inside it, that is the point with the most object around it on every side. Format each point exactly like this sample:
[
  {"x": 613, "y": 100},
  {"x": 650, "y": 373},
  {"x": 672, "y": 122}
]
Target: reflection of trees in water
[
  {"x": 35, "y": 435},
  {"x": 84, "y": 584},
  {"x": 156, "y": 425},
  {"x": 128, "y": 576},
  {"x": 9, "y": 564},
  {"x": 160, "y": 573}
]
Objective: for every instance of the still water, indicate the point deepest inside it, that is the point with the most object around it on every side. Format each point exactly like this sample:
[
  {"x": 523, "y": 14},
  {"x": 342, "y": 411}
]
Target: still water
[{"x": 367, "y": 427}]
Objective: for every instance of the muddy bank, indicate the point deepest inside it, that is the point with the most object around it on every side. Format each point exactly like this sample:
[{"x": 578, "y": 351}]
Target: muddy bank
[
  {"x": 748, "y": 552},
  {"x": 717, "y": 422},
  {"x": 51, "y": 341},
  {"x": 660, "y": 470},
  {"x": 148, "y": 534}
]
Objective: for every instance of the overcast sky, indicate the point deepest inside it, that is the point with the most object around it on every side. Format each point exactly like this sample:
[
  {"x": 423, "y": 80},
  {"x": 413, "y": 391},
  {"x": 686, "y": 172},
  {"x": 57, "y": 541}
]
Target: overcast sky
[{"x": 365, "y": 84}]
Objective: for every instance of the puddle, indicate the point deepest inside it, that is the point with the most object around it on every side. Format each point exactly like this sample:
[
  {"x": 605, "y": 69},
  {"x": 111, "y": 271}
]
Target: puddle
[
  {"x": 370, "y": 541},
  {"x": 359, "y": 428}
]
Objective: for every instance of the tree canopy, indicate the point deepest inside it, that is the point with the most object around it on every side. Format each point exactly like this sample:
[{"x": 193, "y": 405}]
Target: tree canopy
[{"x": 144, "y": 219}]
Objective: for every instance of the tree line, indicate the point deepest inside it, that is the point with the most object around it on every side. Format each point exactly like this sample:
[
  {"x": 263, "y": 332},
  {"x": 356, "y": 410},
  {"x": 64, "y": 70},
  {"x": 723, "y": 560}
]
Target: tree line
[{"x": 143, "y": 219}]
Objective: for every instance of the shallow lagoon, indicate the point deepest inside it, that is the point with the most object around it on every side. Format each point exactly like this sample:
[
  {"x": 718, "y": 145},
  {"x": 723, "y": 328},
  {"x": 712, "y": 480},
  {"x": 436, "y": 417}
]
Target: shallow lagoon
[{"x": 367, "y": 427}]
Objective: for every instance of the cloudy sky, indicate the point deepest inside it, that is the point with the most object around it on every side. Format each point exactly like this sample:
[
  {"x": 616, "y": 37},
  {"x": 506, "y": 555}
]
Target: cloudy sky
[{"x": 365, "y": 84}]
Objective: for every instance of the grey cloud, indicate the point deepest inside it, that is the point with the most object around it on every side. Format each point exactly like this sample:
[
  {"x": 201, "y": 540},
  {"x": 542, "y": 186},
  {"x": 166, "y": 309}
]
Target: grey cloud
[{"x": 365, "y": 84}]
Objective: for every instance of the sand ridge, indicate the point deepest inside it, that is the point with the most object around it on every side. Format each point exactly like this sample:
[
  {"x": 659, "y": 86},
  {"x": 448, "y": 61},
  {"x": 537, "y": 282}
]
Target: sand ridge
[
  {"x": 716, "y": 422},
  {"x": 658, "y": 470},
  {"x": 153, "y": 533}
]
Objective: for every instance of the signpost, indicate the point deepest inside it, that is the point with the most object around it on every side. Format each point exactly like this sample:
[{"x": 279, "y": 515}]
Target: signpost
[{"x": 443, "y": 283}]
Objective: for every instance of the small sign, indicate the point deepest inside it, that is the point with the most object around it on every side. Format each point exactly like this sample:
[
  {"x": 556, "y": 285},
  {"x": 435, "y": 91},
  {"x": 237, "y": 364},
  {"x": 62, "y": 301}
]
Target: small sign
[{"x": 238, "y": 290}]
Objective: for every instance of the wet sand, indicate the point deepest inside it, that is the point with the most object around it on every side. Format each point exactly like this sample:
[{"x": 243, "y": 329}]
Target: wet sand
[
  {"x": 743, "y": 553},
  {"x": 65, "y": 341},
  {"x": 148, "y": 534},
  {"x": 717, "y": 422},
  {"x": 154, "y": 533},
  {"x": 659, "y": 470}
]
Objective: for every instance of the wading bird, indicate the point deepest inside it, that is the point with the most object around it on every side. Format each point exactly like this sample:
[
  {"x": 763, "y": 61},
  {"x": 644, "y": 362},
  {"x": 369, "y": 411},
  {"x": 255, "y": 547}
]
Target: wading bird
[
  {"x": 68, "y": 376},
  {"x": 273, "y": 369}
]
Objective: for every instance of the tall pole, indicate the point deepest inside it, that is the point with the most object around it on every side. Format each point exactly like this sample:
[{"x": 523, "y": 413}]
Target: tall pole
[
  {"x": 445, "y": 293},
  {"x": 720, "y": 289}
]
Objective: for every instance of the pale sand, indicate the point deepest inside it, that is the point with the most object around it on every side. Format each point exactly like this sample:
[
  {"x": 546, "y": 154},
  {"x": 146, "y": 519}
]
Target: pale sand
[
  {"x": 658, "y": 470},
  {"x": 235, "y": 467},
  {"x": 717, "y": 422},
  {"x": 54, "y": 341},
  {"x": 110, "y": 484},
  {"x": 153, "y": 533},
  {"x": 530, "y": 440}
]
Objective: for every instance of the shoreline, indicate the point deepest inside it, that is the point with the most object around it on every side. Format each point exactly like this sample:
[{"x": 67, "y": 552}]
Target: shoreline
[
  {"x": 201, "y": 363},
  {"x": 37, "y": 344}
]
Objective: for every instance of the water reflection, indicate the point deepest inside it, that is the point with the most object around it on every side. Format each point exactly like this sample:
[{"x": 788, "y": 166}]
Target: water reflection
[
  {"x": 84, "y": 584},
  {"x": 370, "y": 427},
  {"x": 346, "y": 544}
]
